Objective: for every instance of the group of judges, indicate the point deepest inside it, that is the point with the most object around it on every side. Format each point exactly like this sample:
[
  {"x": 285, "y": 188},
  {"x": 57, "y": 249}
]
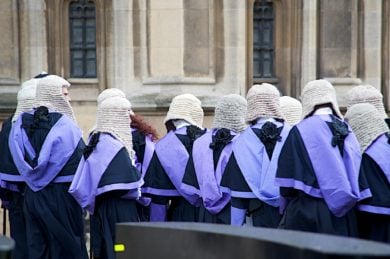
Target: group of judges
[{"x": 267, "y": 161}]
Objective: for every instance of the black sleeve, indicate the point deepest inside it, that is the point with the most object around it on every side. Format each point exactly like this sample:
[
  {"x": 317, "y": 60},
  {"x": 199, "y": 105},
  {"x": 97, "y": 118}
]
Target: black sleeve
[
  {"x": 294, "y": 163},
  {"x": 162, "y": 200},
  {"x": 7, "y": 164},
  {"x": 190, "y": 174},
  {"x": 377, "y": 182},
  {"x": 240, "y": 203},
  {"x": 156, "y": 177},
  {"x": 139, "y": 145},
  {"x": 232, "y": 177}
]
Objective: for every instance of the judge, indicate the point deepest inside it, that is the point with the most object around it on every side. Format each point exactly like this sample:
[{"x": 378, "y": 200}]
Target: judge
[
  {"x": 144, "y": 137},
  {"x": 46, "y": 145},
  {"x": 318, "y": 168},
  {"x": 170, "y": 161},
  {"x": 250, "y": 172},
  {"x": 107, "y": 183},
  {"x": 210, "y": 154},
  {"x": 12, "y": 183},
  {"x": 374, "y": 139}
]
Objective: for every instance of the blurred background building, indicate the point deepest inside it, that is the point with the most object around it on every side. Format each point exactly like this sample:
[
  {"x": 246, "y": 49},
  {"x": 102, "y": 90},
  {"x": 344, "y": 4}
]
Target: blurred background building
[{"x": 156, "y": 49}]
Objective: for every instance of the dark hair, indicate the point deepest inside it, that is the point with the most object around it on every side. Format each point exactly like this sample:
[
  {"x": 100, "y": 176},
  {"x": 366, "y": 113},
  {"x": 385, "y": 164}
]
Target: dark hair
[
  {"x": 139, "y": 123},
  {"x": 319, "y": 106},
  {"x": 170, "y": 126}
]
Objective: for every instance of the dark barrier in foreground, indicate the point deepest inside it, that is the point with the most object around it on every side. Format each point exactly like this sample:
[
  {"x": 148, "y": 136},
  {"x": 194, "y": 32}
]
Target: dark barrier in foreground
[
  {"x": 6, "y": 247},
  {"x": 206, "y": 241}
]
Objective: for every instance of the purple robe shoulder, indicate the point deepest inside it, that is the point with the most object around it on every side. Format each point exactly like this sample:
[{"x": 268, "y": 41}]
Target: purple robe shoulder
[
  {"x": 174, "y": 157},
  {"x": 213, "y": 195},
  {"x": 149, "y": 150},
  {"x": 58, "y": 147},
  {"x": 376, "y": 168},
  {"x": 85, "y": 185},
  {"x": 258, "y": 170},
  {"x": 379, "y": 151},
  {"x": 337, "y": 175}
]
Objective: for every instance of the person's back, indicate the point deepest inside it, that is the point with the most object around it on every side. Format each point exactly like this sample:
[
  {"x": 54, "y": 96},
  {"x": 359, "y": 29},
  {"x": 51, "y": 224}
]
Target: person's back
[
  {"x": 46, "y": 146},
  {"x": 172, "y": 154},
  {"x": 210, "y": 154},
  {"x": 107, "y": 182},
  {"x": 374, "y": 139},
  {"x": 250, "y": 172},
  {"x": 318, "y": 169}
]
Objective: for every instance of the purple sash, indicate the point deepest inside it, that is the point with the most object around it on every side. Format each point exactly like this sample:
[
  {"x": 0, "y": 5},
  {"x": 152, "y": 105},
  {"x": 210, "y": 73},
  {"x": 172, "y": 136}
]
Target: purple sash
[
  {"x": 56, "y": 150},
  {"x": 9, "y": 186},
  {"x": 338, "y": 176},
  {"x": 374, "y": 209},
  {"x": 149, "y": 150},
  {"x": 174, "y": 158},
  {"x": 258, "y": 170},
  {"x": 84, "y": 187},
  {"x": 379, "y": 151},
  {"x": 214, "y": 199}
]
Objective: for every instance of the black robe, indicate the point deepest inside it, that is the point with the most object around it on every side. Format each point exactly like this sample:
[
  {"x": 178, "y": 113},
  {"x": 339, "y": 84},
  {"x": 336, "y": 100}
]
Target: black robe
[
  {"x": 139, "y": 145},
  {"x": 13, "y": 199},
  {"x": 305, "y": 212},
  {"x": 179, "y": 209},
  {"x": 262, "y": 214},
  {"x": 111, "y": 207},
  {"x": 375, "y": 226},
  {"x": 54, "y": 220}
]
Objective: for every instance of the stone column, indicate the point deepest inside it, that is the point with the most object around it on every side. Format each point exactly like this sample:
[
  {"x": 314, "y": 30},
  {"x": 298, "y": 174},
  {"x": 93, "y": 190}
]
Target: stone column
[
  {"x": 372, "y": 33},
  {"x": 232, "y": 37},
  {"x": 120, "y": 58},
  {"x": 309, "y": 41},
  {"x": 33, "y": 38},
  {"x": 9, "y": 56}
]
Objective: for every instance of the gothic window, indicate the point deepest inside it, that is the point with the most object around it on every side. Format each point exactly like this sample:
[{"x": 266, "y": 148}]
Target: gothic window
[
  {"x": 263, "y": 39},
  {"x": 82, "y": 30}
]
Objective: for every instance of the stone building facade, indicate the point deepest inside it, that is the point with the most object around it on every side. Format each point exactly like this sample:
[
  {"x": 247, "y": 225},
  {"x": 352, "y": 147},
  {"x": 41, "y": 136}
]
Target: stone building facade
[{"x": 156, "y": 49}]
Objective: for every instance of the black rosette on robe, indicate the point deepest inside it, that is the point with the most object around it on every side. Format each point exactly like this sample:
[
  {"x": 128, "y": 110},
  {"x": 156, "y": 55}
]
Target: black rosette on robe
[
  {"x": 340, "y": 132},
  {"x": 39, "y": 127},
  {"x": 40, "y": 121},
  {"x": 269, "y": 134},
  {"x": 221, "y": 138}
]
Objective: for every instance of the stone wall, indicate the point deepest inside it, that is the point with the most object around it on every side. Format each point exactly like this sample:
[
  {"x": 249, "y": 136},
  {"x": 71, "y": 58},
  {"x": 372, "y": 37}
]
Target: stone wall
[{"x": 154, "y": 50}]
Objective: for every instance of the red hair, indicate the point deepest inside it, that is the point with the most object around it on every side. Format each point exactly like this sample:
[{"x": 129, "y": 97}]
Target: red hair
[{"x": 139, "y": 123}]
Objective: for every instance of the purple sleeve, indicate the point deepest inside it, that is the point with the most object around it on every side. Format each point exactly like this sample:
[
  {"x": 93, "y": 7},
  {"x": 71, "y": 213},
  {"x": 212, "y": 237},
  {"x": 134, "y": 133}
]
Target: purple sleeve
[
  {"x": 158, "y": 212},
  {"x": 237, "y": 216}
]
